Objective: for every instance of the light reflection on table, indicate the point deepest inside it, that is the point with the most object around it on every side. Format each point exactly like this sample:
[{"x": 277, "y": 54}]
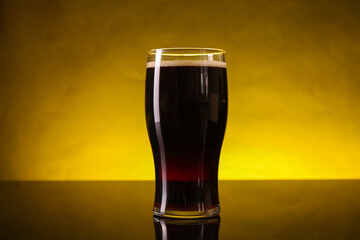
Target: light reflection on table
[{"x": 123, "y": 210}]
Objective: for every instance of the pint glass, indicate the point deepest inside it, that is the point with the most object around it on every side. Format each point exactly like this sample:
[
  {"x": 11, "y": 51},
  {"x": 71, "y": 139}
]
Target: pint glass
[{"x": 186, "y": 110}]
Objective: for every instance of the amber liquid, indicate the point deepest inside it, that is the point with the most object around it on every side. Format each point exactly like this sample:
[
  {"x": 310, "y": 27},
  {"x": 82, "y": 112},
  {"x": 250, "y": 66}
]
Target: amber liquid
[{"x": 186, "y": 112}]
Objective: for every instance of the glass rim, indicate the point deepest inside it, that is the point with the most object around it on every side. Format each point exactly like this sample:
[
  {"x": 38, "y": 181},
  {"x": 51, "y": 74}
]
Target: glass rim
[{"x": 189, "y": 51}]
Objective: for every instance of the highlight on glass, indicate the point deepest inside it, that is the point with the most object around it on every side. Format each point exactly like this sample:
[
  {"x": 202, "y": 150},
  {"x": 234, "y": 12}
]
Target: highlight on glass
[{"x": 186, "y": 106}]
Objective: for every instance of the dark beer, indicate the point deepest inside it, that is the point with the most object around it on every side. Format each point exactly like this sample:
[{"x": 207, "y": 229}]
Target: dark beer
[{"x": 186, "y": 112}]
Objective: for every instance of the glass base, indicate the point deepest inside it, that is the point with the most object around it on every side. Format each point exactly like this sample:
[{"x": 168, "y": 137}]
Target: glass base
[{"x": 187, "y": 214}]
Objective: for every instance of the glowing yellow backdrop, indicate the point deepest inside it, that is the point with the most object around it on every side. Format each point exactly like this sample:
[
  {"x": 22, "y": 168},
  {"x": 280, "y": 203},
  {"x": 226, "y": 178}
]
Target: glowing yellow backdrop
[{"x": 72, "y": 85}]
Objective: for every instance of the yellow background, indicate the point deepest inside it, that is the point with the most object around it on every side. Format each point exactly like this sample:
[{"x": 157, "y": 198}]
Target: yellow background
[{"x": 72, "y": 86}]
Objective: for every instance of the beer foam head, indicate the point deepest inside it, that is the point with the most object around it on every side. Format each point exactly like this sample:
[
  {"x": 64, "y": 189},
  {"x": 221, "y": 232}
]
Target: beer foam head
[{"x": 186, "y": 63}]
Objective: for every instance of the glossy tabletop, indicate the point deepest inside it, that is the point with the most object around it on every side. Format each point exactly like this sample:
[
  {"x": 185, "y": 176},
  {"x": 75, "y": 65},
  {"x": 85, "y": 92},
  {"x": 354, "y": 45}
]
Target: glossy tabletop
[{"x": 123, "y": 210}]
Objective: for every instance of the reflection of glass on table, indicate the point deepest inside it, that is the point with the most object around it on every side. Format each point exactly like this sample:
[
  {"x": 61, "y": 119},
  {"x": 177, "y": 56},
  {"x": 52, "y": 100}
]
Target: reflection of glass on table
[{"x": 186, "y": 229}]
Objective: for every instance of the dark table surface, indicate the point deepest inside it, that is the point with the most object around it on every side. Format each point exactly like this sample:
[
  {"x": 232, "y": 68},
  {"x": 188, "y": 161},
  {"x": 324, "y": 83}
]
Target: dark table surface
[{"x": 123, "y": 210}]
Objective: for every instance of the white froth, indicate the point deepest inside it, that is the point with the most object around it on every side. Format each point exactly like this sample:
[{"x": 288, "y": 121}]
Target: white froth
[{"x": 194, "y": 63}]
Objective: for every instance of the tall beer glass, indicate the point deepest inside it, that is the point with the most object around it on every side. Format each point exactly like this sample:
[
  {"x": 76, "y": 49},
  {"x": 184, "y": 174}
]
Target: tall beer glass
[{"x": 186, "y": 110}]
